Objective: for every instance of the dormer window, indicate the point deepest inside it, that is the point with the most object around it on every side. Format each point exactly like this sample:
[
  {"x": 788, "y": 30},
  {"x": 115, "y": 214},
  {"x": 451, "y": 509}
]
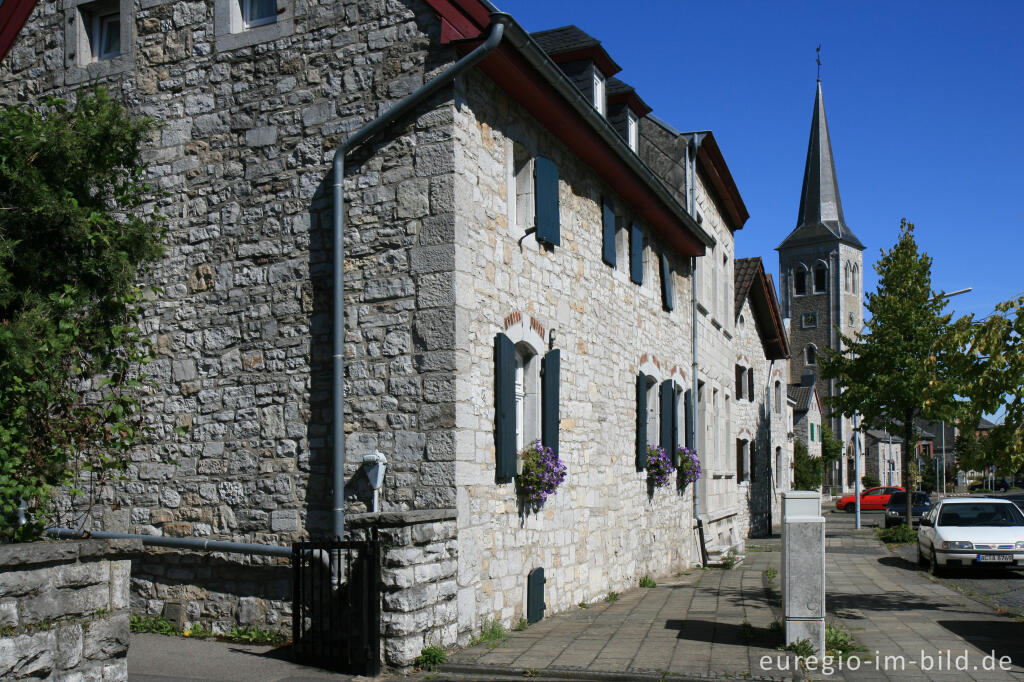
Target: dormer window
[
  {"x": 599, "y": 92},
  {"x": 632, "y": 130}
]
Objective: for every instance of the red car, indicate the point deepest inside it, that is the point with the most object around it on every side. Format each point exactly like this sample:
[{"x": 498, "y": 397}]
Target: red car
[{"x": 872, "y": 498}]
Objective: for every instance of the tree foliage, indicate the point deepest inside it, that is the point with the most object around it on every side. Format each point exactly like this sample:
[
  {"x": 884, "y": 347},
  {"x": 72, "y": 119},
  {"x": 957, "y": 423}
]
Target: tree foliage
[
  {"x": 806, "y": 469},
  {"x": 73, "y": 237},
  {"x": 901, "y": 366},
  {"x": 990, "y": 366}
]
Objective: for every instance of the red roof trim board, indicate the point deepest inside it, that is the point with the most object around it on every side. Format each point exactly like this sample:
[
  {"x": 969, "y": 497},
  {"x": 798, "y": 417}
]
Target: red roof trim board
[
  {"x": 460, "y": 19},
  {"x": 13, "y": 15},
  {"x": 713, "y": 164}
]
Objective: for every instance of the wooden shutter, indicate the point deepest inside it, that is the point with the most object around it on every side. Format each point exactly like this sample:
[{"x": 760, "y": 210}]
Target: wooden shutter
[
  {"x": 550, "y": 369},
  {"x": 750, "y": 384},
  {"x": 535, "y": 604},
  {"x": 636, "y": 254},
  {"x": 641, "y": 421},
  {"x": 665, "y": 418},
  {"x": 608, "y": 233},
  {"x": 505, "y": 407},
  {"x": 739, "y": 382},
  {"x": 666, "y": 284},
  {"x": 675, "y": 427},
  {"x": 546, "y": 197},
  {"x": 739, "y": 460},
  {"x": 691, "y": 422}
]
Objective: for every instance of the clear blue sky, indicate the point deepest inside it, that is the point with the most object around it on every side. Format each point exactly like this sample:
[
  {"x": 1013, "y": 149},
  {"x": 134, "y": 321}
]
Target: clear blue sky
[{"x": 924, "y": 104}]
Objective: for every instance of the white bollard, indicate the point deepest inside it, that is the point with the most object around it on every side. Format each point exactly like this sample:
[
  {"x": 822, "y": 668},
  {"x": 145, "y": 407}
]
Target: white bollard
[{"x": 803, "y": 567}]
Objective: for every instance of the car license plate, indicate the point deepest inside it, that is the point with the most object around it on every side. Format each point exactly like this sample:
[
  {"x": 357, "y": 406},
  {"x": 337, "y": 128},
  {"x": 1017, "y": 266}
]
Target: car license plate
[{"x": 995, "y": 558}]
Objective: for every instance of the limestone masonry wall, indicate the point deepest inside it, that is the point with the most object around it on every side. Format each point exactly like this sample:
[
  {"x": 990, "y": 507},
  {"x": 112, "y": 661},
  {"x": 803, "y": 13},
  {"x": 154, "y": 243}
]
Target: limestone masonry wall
[{"x": 64, "y": 610}]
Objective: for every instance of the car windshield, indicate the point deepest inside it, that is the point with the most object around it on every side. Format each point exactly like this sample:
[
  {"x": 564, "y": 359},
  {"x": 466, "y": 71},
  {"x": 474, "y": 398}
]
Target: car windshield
[{"x": 981, "y": 514}]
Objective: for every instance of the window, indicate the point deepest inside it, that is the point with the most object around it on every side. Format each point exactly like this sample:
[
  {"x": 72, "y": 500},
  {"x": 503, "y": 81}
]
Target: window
[
  {"x": 608, "y": 224},
  {"x": 636, "y": 254},
  {"x": 778, "y": 463},
  {"x": 811, "y": 355},
  {"x": 258, "y": 12},
  {"x": 742, "y": 453},
  {"x": 800, "y": 281},
  {"x": 846, "y": 278},
  {"x": 856, "y": 279},
  {"x": 778, "y": 397},
  {"x": 808, "y": 320},
  {"x": 522, "y": 171},
  {"x": 527, "y": 396},
  {"x": 632, "y": 130},
  {"x": 750, "y": 384},
  {"x": 740, "y": 375},
  {"x": 819, "y": 278},
  {"x": 599, "y": 100},
  {"x": 535, "y": 181},
  {"x": 667, "y": 297},
  {"x": 105, "y": 35},
  {"x": 97, "y": 43}
]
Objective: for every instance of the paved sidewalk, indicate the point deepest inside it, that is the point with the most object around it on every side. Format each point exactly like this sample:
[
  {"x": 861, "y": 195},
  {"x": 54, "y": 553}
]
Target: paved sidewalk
[{"x": 707, "y": 623}]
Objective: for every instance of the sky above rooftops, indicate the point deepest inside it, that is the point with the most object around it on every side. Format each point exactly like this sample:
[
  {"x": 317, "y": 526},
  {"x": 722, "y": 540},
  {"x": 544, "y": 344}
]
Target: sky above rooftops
[{"x": 925, "y": 106}]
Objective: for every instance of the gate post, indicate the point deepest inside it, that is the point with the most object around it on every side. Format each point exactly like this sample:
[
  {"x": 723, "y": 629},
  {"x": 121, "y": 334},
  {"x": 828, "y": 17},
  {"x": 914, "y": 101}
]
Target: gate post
[{"x": 803, "y": 567}]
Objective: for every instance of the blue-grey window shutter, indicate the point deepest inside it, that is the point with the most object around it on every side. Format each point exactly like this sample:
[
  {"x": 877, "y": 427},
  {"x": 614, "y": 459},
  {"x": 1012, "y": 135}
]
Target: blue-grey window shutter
[
  {"x": 608, "y": 222},
  {"x": 549, "y": 399},
  {"x": 666, "y": 283},
  {"x": 641, "y": 421},
  {"x": 691, "y": 418},
  {"x": 750, "y": 384},
  {"x": 665, "y": 418},
  {"x": 505, "y": 407},
  {"x": 675, "y": 426},
  {"x": 636, "y": 254},
  {"x": 545, "y": 176}
]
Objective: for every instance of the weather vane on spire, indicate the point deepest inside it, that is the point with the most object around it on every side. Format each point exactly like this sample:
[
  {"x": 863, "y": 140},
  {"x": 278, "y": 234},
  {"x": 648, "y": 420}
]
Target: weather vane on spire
[{"x": 818, "y": 59}]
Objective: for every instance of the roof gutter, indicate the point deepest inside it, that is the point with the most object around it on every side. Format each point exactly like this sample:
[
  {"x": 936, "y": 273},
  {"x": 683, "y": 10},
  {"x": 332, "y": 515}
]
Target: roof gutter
[
  {"x": 540, "y": 61},
  {"x": 499, "y": 21}
]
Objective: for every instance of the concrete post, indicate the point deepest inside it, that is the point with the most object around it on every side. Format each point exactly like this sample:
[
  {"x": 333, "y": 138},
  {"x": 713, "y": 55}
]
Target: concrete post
[{"x": 803, "y": 567}]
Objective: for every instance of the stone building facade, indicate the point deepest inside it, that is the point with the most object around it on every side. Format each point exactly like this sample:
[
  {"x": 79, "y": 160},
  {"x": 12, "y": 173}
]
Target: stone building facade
[
  {"x": 449, "y": 256},
  {"x": 883, "y": 456},
  {"x": 764, "y": 452},
  {"x": 820, "y": 265},
  {"x": 807, "y": 415}
]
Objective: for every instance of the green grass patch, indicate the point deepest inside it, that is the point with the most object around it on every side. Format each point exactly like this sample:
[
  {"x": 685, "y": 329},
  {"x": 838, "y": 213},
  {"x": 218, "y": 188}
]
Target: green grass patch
[
  {"x": 839, "y": 642},
  {"x": 430, "y": 657},
  {"x": 583, "y": 605},
  {"x": 770, "y": 573},
  {"x": 802, "y": 648},
  {"x": 157, "y": 624},
  {"x": 521, "y": 625},
  {"x": 252, "y": 634},
  {"x": 492, "y": 633},
  {"x": 647, "y": 581},
  {"x": 897, "y": 535},
  {"x": 612, "y": 596}
]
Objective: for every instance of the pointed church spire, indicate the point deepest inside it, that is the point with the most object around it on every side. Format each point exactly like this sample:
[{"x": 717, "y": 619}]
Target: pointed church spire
[{"x": 821, "y": 211}]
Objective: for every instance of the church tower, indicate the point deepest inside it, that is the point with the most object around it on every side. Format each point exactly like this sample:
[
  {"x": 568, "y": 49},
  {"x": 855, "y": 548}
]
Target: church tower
[{"x": 820, "y": 267}]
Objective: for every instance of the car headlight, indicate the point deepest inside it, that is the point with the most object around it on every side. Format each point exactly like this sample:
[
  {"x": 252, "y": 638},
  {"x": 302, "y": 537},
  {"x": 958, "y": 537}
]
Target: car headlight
[
  {"x": 957, "y": 544},
  {"x": 891, "y": 512},
  {"x": 1020, "y": 545}
]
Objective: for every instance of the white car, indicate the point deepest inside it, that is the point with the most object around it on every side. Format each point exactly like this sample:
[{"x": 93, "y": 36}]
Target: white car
[{"x": 971, "y": 532}]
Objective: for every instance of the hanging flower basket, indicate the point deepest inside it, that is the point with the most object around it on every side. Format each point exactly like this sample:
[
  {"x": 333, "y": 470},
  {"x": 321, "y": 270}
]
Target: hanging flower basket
[
  {"x": 659, "y": 466},
  {"x": 689, "y": 465},
  {"x": 542, "y": 473}
]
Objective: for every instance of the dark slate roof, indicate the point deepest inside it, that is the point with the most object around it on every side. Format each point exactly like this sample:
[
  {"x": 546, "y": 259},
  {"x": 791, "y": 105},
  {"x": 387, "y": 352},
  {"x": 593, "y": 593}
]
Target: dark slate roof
[
  {"x": 801, "y": 395},
  {"x": 820, "y": 218},
  {"x": 744, "y": 272},
  {"x": 884, "y": 436},
  {"x": 564, "y": 39},
  {"x": 618, "y": 87},
  {"x": 985, "y": 424}
]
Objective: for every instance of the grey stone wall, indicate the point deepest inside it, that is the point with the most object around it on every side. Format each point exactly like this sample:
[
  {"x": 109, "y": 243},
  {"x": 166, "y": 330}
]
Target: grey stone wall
[
  {"x": 420, "y": 559},
  {"x": 64, "y": 610},
  {"x": 241, "y": 320}
]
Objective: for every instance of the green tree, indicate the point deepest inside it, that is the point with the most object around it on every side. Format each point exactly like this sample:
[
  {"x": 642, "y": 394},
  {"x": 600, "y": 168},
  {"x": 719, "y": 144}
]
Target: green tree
[
  {"x": 990, "y": 357},
  {"x": 74, "y": 234},
  {"x": 900, "y": 367},
  {"x": 831, "y": 448},
  {"x": 806, "y": 469}
]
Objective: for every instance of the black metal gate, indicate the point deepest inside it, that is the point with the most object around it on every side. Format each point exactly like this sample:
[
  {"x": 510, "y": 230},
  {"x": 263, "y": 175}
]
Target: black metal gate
[{"x": 336, "y": 605}]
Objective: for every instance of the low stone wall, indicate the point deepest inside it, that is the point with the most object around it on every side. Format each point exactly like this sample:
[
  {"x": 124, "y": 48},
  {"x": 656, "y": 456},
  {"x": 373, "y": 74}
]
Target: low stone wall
[
  {"x": 64, "y": 609},
  {"x": 419, "y": 589}
]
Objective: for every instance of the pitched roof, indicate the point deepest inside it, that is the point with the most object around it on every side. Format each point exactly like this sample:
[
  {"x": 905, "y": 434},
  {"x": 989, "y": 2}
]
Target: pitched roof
[
  {"x": 570, "y": 43},
  {"x": 751, "y": 280},
  {"x": 801, "y": 395},
  {"x": 618, "y": 91},
  {"x": 985, "y": 424},
  {"x": 820, "y": 218}
]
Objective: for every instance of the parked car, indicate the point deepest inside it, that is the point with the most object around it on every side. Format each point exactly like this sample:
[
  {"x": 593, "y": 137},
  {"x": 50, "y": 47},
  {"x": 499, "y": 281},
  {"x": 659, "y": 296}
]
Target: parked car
[
  {"x": 971, "y": 532},
  {"x": 896, "y": 510},
  {"x": 872, "y": 498},
  {"x": 1000, "y": 485}
]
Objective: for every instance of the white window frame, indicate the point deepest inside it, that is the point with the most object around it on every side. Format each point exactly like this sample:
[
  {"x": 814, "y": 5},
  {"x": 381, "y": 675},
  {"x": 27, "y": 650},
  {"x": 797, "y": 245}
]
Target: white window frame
[
  {"x": 653, "y": 410},
  {"x": 246, "y": 8},
  {"x": 527, "y": 390},
  {"x": 809, "y": 351},
  {"x": 632, "y": 130},
  {"x": 232, "y": 31},
  {"x": 522, "y": 187},
  {"x": 100, "y": 30},
  {"x": 84, "y": 25},
  {"x": 600, "y": 100}
]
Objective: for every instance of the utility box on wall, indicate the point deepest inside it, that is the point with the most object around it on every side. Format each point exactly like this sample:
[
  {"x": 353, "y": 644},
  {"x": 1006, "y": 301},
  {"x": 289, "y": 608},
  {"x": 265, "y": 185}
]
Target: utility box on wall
[{"x": 803, "y": 568}]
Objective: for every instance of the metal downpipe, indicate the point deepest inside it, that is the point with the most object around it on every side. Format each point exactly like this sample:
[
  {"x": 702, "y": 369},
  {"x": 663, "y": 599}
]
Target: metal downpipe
[
  {"x": 691, "y": 199},
  {"x": 498, "y": 21},
  {"x": 178, "y": 543}
]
